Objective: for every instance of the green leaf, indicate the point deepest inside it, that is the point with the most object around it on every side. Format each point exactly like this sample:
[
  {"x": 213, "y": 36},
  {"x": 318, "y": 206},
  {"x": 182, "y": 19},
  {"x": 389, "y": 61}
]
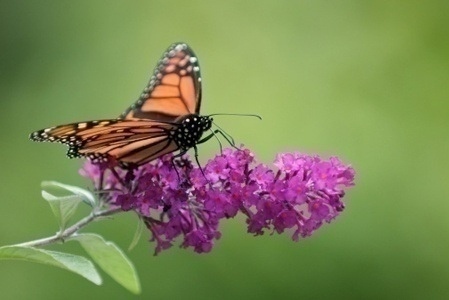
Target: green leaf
[
  {"x": 137, "y": 234},
  {"x": 77, "y": 264},
  {"x": 63, "y": 207},
  {"x": 111, "y": 259},
  {"x": 84, "y": 195}
]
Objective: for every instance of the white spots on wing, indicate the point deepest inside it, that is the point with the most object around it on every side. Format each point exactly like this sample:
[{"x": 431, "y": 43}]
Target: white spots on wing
[
  {"x": 180, "y": 47},
  {"x": 170, "y": 68}
]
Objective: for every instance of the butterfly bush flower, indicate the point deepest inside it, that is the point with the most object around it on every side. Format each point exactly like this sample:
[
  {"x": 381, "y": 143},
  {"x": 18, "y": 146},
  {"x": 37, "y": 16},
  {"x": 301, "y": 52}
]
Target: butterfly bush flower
[{"x": 187, "y": 203}]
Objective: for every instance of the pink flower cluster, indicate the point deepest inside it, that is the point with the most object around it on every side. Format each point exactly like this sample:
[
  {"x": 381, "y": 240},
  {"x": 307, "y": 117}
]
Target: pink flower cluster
[{"x": 178, "y": 200}]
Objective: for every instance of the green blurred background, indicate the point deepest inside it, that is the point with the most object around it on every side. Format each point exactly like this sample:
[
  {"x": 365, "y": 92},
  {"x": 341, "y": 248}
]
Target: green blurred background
[{"x": 365, "y": 80}]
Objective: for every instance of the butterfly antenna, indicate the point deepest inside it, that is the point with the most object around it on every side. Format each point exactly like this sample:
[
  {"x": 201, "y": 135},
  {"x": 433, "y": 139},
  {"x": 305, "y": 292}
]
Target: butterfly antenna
[
  {"x": 223, "y": 133},
  {"x": 238, "y": 115}
]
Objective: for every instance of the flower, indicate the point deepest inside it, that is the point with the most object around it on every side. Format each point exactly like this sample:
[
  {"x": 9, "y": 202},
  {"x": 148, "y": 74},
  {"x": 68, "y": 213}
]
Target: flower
[{"x": 178, "y": 200}]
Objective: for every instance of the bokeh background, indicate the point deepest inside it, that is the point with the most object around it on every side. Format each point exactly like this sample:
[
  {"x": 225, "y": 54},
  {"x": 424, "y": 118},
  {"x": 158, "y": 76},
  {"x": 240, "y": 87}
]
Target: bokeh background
[{"x": 365, "y": 80}]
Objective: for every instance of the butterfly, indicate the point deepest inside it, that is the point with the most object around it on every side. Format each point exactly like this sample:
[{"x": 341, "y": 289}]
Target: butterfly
[{"x": 163, "y": 120}]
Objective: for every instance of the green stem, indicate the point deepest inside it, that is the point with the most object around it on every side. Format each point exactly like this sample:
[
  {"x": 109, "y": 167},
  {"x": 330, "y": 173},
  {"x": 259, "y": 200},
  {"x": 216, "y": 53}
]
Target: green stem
[{"x": 61, "y": 236}]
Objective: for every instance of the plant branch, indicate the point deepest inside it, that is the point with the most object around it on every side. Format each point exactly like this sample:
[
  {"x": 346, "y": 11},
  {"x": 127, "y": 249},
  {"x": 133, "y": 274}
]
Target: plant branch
[{"x": 61, "y": 236}]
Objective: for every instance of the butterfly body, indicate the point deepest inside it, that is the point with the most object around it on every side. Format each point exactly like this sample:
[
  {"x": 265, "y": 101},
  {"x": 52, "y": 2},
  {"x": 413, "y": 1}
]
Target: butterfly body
[
  {"x": 164, "y": 119},
  {"x": 190, "y": 130}
]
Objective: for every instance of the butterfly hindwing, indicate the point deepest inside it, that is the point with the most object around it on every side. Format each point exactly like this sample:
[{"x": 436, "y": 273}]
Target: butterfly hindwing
[{"x": 174, "y": 88}]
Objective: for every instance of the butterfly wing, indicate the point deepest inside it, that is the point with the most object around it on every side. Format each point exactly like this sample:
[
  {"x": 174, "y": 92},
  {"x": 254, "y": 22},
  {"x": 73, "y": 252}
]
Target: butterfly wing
[
  {"x": 135, "y": 141},
  {"x": 174, "y": 88},
  {"x": 144, "y": 131}
]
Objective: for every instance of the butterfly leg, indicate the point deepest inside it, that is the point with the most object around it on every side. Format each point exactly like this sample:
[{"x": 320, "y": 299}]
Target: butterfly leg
[
  {"x": 118, "y": 177},
  {"x": 198, "y": 162},
  {"x": 223, "y": 134},
  {"x": 121, "y": 185},
  {"x": 184, "y": 164},
  {"x": 227, "y": 136},
  {"x": 174, "y": 165}
]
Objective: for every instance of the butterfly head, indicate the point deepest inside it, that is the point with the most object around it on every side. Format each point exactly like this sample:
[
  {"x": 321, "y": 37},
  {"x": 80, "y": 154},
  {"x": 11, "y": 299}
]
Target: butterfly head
[{"x": 191, "y": 128}]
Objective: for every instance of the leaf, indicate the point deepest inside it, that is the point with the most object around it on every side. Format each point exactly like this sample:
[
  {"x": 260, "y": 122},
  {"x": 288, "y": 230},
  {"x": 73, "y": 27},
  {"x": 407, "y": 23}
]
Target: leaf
[
  {"x": 77, "y": 264},
  {"x": 137, "y": 234},
  {"x": 84, "y": 195},
  {"x": 63, "y": 207},
  {"x": 111, "y": 259}
]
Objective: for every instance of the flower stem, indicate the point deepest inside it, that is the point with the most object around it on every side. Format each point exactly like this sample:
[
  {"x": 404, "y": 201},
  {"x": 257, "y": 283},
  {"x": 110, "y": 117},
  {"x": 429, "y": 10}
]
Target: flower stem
[{"x": 61, "y": 236}]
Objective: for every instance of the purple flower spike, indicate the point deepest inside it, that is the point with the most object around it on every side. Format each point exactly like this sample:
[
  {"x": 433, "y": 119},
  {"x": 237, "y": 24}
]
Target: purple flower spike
[{"x": 188, "y": 203}]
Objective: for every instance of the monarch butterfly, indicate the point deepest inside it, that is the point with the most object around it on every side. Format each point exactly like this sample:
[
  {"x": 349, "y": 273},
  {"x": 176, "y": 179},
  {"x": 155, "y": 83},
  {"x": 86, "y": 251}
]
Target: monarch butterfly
[{"x": 164, "y": 119}]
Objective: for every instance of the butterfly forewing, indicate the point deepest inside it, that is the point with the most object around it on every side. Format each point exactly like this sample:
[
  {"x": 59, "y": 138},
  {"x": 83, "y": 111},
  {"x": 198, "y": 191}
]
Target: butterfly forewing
[
  {"x": 131, "y": 141},
  {"x": 174, "y": 88}
]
